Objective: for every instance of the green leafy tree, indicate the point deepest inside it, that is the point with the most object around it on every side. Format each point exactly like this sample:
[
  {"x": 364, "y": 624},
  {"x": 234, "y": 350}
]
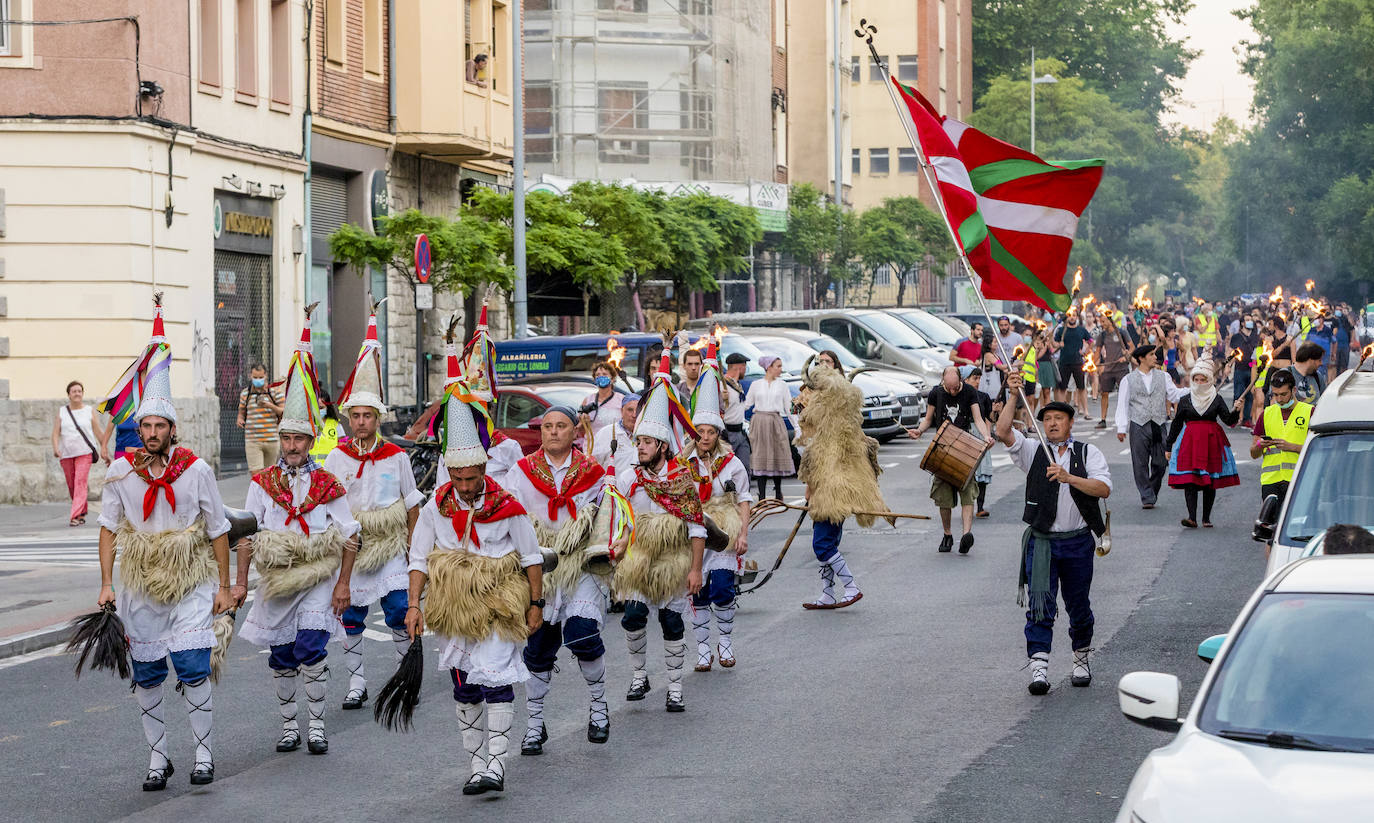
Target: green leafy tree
[
  {"x": 900, "y": 234},
  {"x": 821, "y": 237},
  {"x": 707, "y": 236},
  {"x": 464, "y": 254}
]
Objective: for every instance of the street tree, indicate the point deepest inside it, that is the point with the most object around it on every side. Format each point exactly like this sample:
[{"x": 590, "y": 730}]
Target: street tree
[
  {"x": 900, "y": 234},
  {"x": 464, "y": 254}
]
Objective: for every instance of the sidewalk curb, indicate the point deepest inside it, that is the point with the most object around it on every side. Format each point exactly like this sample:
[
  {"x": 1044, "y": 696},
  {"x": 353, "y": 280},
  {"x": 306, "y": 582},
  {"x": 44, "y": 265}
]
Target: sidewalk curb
[{"x": 36, "y": 640}]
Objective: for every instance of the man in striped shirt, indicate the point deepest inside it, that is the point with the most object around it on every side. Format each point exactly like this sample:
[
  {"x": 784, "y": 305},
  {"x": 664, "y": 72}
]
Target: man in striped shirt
[{"x": 260, "y": 409}]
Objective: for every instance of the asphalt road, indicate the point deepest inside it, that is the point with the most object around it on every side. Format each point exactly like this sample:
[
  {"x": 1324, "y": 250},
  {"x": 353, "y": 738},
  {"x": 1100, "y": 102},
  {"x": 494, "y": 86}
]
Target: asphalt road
[{"x": 909, "y": 706}]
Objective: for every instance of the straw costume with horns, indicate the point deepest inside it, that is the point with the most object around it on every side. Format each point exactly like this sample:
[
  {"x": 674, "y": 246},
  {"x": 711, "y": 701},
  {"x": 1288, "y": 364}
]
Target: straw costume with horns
[
  {"x": 475, "y": 548},
  {"x": 669, "y": 538},
  {"x": 840, "y": 469},
  {"x": 304, "y": 552},
  {"x": 381, "y": 493},
  {"x": 162, "y": 513},
  {"x": 722, "y": 483}
]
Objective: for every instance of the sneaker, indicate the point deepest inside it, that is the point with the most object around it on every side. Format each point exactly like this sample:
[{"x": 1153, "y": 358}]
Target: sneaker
[
  {"x": 947, "y": 544},
  {"x": 1040, "y": 674},
  {"x": 1082, "y": 672}
]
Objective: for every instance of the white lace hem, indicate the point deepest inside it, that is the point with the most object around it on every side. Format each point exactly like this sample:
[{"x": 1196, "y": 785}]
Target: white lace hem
[
  {"x": 149, "y": 651},
  {"x": 678, "y": 604},
  {"x": 306, "y": 619}
]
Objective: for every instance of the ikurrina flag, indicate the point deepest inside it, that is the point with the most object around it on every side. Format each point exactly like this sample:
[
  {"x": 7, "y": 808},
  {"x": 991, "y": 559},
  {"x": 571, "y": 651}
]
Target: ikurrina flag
[{"x": 1014, "y": 214}]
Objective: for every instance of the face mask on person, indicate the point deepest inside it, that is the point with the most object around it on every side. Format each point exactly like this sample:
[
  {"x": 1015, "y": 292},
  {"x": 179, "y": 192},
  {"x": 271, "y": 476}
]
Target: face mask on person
[
  {"x": 259, "y": 382},
  {"x": 1289, "y": 404},
  {"x": 1339, "y": 312},
  {"x": 1249, "y": 324},
  {"x": 602, "y": 381},
  {"x": 1154, "y": 338}
]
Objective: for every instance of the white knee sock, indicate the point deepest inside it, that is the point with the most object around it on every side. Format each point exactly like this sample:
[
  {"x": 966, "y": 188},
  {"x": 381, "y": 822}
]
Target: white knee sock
[
  {"x": 701, "y": 631},
  {"x": 353, "y": 661},
  {"x": 200, "y": 707},
  {"x": 535, "y": 690},
  {"x": 827, "y": 585},
  {"x": 474, "y": 735},
  {"x": 154, "y": 729},
  {"x": 674, "y": 651},
  {"x": 638, "y": 643},
  {"x": 725, "y": 627},
  {"x": 594, "y": 672},
  {"x": 400, "y": 640},
  {"x": 316, "y": 683},
  {"x": 500, "y": 716},
  {"x": 285, "y": 680},
  {"x": 842, "y": 572}
]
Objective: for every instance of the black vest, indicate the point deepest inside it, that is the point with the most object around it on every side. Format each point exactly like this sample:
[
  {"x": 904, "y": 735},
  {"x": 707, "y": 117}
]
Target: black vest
[{"x": 1042, "y": 494}]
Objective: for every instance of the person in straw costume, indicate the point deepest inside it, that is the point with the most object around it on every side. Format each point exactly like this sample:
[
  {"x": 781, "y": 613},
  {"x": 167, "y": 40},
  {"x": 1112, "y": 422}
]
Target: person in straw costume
[
  {"x": 304, "y": 552},
  {"x": 561, "y": 489},
  {"x": 161, "y": 512},
  {"x": 722, "y": 484},
  {"x": 477, "y": 371},
  {"x": 382, "y": 495},
  {"x": 664, "y": 566},
  {"x": 475, "y": 548}
]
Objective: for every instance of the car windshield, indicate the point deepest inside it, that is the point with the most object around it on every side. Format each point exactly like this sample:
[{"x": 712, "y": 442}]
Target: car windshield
[
  {"x": 1335, "y": 485},
  {"x": 893, "y": 331},
  {"x": 1301, "y": 666},
  {"x": 793, "y": 354},
  {"x": 931, "y": 327},
  {"x": 732, "y": 344},
  {"x": 827, "y": 343}
]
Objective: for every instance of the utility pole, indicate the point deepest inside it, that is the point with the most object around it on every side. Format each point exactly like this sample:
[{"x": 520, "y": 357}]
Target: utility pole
[
  {"x": 839, "y": 137},
  {"x": 517, "y": 97}
]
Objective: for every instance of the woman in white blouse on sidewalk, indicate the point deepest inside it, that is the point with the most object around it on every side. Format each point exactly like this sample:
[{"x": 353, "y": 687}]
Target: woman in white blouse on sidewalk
[
  {"x": 75, "y": 431},
  {"x": 771, "y": 453}
]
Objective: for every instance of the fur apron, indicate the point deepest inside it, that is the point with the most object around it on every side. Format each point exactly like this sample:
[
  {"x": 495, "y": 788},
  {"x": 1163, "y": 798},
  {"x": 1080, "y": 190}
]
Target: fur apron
[
  {"x": 383, "y": 536},
  {"x": 839, "y": 463},
  {"x": 723, "y": 510},
  {"x": 289, "y": 562},
  {"x": 165, "y": 566},
  {"x": 472, "y": 597},
  {"x": 656, "y": 567},
  {"x": 570, "y": 542}
]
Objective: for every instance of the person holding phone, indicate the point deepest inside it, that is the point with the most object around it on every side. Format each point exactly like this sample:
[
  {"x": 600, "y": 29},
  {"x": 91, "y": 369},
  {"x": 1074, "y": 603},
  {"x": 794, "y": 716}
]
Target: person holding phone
[
  {"x": 260, "y": 409},
  {"x": 1279, "y": 435}
]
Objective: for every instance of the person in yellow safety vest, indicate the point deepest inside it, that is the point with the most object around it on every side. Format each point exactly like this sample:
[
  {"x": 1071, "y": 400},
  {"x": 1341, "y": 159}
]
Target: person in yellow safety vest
[
  {"x": 328, "y": 438},
  {"x": 1279, "y": 435},
  {"x": 1207, "y": 334}
]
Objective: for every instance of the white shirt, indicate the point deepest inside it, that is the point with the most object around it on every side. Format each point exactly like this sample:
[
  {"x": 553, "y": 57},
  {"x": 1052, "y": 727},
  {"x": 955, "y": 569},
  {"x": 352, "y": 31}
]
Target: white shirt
[
  {"x": 501, "y": 458},
  {"x": 272, "y": 517},
  {"x": 733, "y": 411},
  {"x": 1123, "y": 395},
  {"x": 498, "y": 539},
  {"x": 770, "y": 396},
  {"x": 1066, "y": 516},
  {"x": 383, "y": 482},
  {"x": 625, "y": 456},
  {"x": 536, "y": 503},
  {"x": 197, "y": 495},
  {"x": 70, "y": 442},
  {"x": 610, "y": 410},
  {"x": 732, "y": 471},
  {"x": 642, "y": 503}
]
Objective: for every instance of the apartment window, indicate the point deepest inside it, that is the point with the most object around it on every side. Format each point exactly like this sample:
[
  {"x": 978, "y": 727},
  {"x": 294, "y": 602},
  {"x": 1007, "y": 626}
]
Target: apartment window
[
  {"x": 780, "y": 139},
  {"x": 539, "y": 123},
  {"x": 6, "y": 46},
  {"x": 538, "y": 5},
  {"x": 877, "y": 161},
  {"x": 622, "y": 110},
  {"x": 372, "y": 37},
  {"x": 500, "y": 36},
  {"x": 876, "y": 69},
  {"x": 335, "y": 23},
  {"x": 856, "y": 69},
  {"x": 780, "y": 23},
  {"x": 907, "y": 162},
  {"x": 280, "y": 23},
  {"x": 907, "y": 68},
  {"x": 855, "y": 161},
  {"x": 209, "y": 41},
  {"x": 246, "y": 51},
  {"x": 640, "y": 6},
  {"x": 882, "y": 275}
]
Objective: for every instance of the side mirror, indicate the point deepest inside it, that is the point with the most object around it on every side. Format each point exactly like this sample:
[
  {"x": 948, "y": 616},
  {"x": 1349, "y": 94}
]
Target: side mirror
[
  {"x": 1150, "y": 699},
  {"x": 1263, "y": 530},
  {"x": 1208, "y": 649}
]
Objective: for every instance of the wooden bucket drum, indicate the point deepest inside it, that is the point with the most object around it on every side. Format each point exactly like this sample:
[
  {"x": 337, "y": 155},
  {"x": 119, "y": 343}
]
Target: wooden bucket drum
[{"x": 953, "y": 455}]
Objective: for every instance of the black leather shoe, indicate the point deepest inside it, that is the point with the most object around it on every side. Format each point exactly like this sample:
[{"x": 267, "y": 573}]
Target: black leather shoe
[
  {"x": 320, "y": 746},
  {"x": 674, "y": 703},
  {"x": 156, "y": 783},
  {"x": 290, "y": 741},
  {"x": 965, "y": 543},
  {"x": 533, "y": 747},
  {"x": 203, "y": 775},
  {"x": 638, "y": 689},
  {"x": 355, "y": 702},
  {"x": 598, "y": 734},
  {"x": 481, "y": 784},
  {"x": 474, "y": 785},
  {"x": 947, "y": 543}
]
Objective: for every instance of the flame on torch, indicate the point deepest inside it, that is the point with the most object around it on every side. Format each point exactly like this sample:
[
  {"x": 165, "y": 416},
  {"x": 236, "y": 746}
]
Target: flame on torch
[
  {"x": 616, "y": 352},
  {"x": 1089, "y": 366},
  {"x": 1277, "y": 296},
  {"x": 1366, "y": 353},
  {"x": 1237, "y": 355},
  {"x": 1310, "y": 284},
  {"x": 1077, "y": 281},
  {"x": 1263, "y": 355}
]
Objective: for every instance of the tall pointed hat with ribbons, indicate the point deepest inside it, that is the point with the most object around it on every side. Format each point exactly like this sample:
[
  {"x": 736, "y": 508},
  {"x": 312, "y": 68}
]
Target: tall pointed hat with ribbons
[
  {"x": 145, "y": 388},
  {"x": 301, "y": 414},
  {"x": 478, "y": 363},
  {"x": 706, "y": 396},
  {"x": 461, "y": 425},
  {"x": 364, "y": 386},
  {"x": 663, "y": 416}
]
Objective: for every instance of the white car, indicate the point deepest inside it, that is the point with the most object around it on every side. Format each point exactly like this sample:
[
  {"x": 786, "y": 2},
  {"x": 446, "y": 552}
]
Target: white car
[{"x": 1282, "y": 729}]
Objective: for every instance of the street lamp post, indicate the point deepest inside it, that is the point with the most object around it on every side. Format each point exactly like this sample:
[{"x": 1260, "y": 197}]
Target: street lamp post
[{"x": 1035, "y": 81}]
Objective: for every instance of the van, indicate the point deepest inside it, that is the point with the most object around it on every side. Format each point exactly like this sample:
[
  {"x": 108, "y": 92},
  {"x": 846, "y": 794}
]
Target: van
[
  {"x": 872, "y": 335},
  {"x": 537, "y": 356}
]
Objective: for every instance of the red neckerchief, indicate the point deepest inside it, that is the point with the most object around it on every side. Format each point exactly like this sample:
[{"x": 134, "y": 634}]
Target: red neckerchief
[
  {"x": 178, "y": 463},
  {"x": 497, "y": 504},
  {"x": 324, "y": 488},
  {"x": 666, "y": 492},
  {"x": 583, "y": 473},
  {"x": 704, "y": 483},
  {"x": 383, "y": 450}
]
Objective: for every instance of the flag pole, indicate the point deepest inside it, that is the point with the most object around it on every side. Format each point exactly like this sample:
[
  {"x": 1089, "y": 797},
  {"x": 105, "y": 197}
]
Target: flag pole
[{"x": 866, "y": 32}]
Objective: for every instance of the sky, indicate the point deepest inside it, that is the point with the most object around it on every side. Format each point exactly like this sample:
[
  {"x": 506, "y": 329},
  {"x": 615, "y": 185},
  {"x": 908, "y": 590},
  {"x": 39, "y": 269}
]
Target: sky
[{"x": 1215, "y": 84}]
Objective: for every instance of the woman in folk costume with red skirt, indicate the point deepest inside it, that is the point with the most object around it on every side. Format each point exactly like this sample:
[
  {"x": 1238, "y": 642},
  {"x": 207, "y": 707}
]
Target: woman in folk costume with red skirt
[{"x": 1202, "y": 461}]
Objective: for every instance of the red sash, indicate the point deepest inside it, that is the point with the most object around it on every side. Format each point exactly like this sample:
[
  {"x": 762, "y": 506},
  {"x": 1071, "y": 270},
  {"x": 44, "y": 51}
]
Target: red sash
[
  {"x": 704, "y": 483},
  {"x": 583, "y": 473},
  {"x": 667, "y": 492},
  {"x": 178, "y": 463},
  {"x": 497, "y": 504},
  {"x": 324, "y": 488},
  {"x": 383, "y": 450}
]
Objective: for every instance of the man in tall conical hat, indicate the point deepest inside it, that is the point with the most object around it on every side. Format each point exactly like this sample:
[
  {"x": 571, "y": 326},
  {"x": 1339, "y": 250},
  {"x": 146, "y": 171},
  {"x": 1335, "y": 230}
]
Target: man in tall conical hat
[
  {"x": 161, "y": 511},
  {"x": 382, "y": 495},
  {"x": 304, "y": 552},
  {"x": 474, "y": 536},
  {"x": 670, "y": 537},
  {"x": 722, "y": 484},
  {"x": 476, "y": 371}
]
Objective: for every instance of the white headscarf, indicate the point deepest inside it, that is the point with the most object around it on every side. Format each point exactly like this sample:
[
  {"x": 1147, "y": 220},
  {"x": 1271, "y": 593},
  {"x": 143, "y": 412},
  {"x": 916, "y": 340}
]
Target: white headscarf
[{"x": 1203, "y": 396}]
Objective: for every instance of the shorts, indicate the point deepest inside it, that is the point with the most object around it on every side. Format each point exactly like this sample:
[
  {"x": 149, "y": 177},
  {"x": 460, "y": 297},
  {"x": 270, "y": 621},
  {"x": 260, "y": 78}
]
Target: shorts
[
  {"x": 1069, "y": 370},
  {"x": 1111, "y": 379},
  {"x": 1044, "y": 373},
  {"x": 944, "y": 494}
]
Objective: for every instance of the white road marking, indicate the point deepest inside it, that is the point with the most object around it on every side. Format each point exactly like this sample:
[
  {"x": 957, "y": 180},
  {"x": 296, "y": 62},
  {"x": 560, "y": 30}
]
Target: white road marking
[
  {"x": 889, "y": 465},
  {"x": 1124, "y": 452},
  {"x": 51, "y": 651}
]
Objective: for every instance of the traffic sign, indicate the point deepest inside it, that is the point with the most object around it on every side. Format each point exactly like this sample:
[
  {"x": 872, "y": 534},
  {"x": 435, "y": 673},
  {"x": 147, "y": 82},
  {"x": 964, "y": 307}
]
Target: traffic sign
[
  {"x": 424, "y": 265},
  {"x": 424, "y": 296},
  {"x": 1173, "y": 292}
]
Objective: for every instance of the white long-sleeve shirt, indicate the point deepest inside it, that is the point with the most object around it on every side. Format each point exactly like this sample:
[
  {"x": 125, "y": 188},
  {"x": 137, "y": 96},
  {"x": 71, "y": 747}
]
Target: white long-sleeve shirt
[
  {"x": 625, "y": 456},
  {"x": 642, "y": 503},
  {"x": 534, "y": 500},
  {"x": 1123, "y": 395},
  {"x": 770, "y": 396},
  {"x": 272, "y": 517},
  {"x": 1066, "y": 516},
  {"x": 497, "y": 539},
  {"x": 197, "y": 495},
  {"x": 382, "y": 483}
]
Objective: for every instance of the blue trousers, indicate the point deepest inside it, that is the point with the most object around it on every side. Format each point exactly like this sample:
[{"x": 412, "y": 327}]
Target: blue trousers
[
  {"x": 825, "y": 539},
  {"x": 1239, "y": 383},
  {"x": 465, "y": 692},
  {"x": 394, "y": 605},
  {"x": 1071, "y": 570},
  {"x": 192, "y": 665},
  {"x": 719, "y": 590},
  {"x": 580, "y": 634},
  {"x": 636, "y": 617},
  {"x": 308, "y": 650}
]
